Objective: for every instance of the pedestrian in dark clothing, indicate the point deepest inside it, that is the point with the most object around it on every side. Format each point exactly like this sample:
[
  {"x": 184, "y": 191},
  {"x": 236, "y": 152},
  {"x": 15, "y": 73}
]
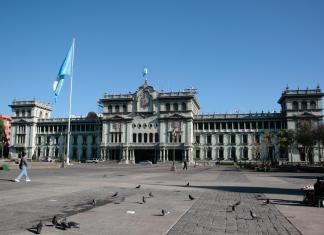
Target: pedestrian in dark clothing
[
  {"x": 23, "y": 168},
  {"x": 185, "y": 165}
]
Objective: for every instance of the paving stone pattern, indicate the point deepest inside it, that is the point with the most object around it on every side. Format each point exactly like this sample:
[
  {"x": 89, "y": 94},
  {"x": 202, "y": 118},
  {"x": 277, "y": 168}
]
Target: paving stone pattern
[{"x": 212, "y": 214}]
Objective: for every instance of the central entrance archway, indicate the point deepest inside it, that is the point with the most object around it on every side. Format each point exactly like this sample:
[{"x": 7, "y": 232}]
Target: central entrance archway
[{"x": 144, "y": 155}]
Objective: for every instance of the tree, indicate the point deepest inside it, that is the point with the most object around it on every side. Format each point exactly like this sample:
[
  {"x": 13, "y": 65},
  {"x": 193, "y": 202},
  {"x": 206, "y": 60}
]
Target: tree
[
  {"x": 286, "y": 139},
  {"x": 305, "y": 137},
  {"x": 319, "y": 137},
  {"x": 268, "y": 144}
]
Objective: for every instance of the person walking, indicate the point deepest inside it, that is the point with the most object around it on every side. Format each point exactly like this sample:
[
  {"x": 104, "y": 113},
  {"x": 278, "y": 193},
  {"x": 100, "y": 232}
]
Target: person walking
[
  {"x": 185, "y": 165},
  {"x": 23, "y": 168}
]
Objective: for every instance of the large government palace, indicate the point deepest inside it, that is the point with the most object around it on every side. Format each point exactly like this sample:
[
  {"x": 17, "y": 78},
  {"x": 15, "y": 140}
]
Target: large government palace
[{"x": 159, "y": 126}]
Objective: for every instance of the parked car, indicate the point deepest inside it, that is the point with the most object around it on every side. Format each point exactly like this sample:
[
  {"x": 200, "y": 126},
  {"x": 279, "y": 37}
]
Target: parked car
[{"x": 146, "y": 162}]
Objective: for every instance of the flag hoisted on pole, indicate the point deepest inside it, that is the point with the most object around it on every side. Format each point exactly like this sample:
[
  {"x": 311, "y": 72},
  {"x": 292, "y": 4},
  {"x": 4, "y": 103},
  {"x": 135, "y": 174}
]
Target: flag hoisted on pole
[{"x": 66, "y": 70}]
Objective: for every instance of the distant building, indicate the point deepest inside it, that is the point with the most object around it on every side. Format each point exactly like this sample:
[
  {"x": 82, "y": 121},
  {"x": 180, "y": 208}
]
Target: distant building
[
  {"x": 7, "y": 129},
  {"x": 157, "y": 126}
]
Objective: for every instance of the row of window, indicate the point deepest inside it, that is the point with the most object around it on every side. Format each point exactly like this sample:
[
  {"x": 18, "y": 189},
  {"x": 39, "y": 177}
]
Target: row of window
[
  {"x": 73, "y": 139},
  {"x": 232, "y": 139},
  {"x": 221, "y": 154},
  {"x": 238, "y": 125},
  {"x": 118, "y": 108},
  {"x": 145, "y": 138},
  {"x": 303, "y": 105},
  {"x": 63, "y": 128},
  {"x": 175, "y": 107},
  {"x": 139, "y": 126}
]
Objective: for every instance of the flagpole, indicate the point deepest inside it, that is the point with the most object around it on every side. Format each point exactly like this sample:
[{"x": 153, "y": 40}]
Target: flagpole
[{"x": 70, "y": 108}]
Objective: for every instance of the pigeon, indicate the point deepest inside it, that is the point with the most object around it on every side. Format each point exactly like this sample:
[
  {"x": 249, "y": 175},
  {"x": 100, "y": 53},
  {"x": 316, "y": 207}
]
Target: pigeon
[
  {"x": 237, "y": 203},
  {"x": 138, "y": 186},
  {"x": 54, "y": 220},
  {"x": 63, "y": 223},
  {"x": 39, "y": 227},
  {"x": 143, "y": 200},
  {"x": 268, "y": 201},
  {"x": 233, "y": 208},
  {"x": 187, "y": 184},
  {"x": 164, "y": 212},
  {"x": 253, "y": 215},
  {"x": 191, "y": 197},
  {"x": 104, "y": 175},
  {"x": 94, "y": 202},
  {"x": 73, "y": 224},
  {"x": 115, "y": 194},
  {"x": 151, "y": 194}
]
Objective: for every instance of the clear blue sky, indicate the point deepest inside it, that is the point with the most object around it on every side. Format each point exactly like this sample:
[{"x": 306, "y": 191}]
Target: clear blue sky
[{"x": 238, "y": 54}]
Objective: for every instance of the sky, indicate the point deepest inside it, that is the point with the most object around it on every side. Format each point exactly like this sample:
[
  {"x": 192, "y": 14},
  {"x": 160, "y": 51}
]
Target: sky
[{"x": 239, "y": 55}]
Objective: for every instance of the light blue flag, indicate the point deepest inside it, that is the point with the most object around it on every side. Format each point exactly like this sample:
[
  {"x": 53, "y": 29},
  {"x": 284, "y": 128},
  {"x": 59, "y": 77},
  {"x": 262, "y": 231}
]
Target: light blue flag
[{"x": 65, "y": 70}]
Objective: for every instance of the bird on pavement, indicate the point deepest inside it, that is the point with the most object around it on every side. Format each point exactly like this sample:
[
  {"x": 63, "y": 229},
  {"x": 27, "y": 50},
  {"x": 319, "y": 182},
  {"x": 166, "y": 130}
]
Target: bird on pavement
[
  {"x": 191, "y": 197},
  {"x": 54, "y": 220},
  {"x": 187, "y": 184},
  {"x": 73, "y": 224},
  {"x": 164, "y": 212},
  {"x": 63, "y": 224},
  {"x": 253, "y": 215},
  {"x": 143, "y": 199},
  {"x": 94, "y": 202},
  {"x": 268, "y": 201},
  {"x": 151, "y": 194},
  {"x": 39, "y": 227},
  {"x": 237, "y": 203},
  {"x": 138, "y": 186},
  {"x": 115, "y": 194},
  {"x": 233, "y": 208}
]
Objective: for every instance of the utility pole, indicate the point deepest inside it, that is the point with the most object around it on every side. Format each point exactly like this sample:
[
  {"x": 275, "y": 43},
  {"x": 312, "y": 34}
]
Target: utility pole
[{"x": 174, "y": 136}]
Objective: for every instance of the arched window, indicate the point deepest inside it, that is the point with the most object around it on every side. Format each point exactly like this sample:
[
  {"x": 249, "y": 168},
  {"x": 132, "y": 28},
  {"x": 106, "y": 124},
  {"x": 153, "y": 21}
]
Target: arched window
[
  {"x": 221, "y": 153},
  {"x": 117, "y": 108},
  {"x": 134, "y": 138},
  {"x": 167, "y": 107},
  {"x": 109, "y": 109},
  {"x": 151, "y": 138},
  {"x": 184, "y": 106},
  {"x": 245, "y": 153},
  {"x": 313, "y": 104},
  {"x": 295, "y": 105},
  {"x": 304, "y": 105},
  {"x": 145, "y": 137},
  {"x": 140, "y": 138},
  {"x": 175, "y": 107}
]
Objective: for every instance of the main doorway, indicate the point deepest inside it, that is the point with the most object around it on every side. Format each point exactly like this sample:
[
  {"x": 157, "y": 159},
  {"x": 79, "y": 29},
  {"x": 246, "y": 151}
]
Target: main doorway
[{"x": 145, "y": 155}]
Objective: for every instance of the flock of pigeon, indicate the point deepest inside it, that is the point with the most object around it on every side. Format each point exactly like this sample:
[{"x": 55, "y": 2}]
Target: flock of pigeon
[{"x": 63, "y": 224}]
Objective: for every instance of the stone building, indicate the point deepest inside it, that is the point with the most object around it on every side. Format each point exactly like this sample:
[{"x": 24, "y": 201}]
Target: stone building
[{"x": 160, "y": 126}]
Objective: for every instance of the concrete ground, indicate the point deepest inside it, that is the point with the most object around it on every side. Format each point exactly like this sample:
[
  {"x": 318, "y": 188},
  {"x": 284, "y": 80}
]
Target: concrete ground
[{"x": 70, "y": 191}]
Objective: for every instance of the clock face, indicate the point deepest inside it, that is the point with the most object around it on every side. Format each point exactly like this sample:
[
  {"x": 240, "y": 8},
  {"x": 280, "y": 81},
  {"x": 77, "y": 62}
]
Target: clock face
[{"x": 144, "y": 100}]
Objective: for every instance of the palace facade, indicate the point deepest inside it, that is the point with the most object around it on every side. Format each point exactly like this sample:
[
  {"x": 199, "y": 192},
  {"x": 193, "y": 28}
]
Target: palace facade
[{"x": 160, "y": 126}]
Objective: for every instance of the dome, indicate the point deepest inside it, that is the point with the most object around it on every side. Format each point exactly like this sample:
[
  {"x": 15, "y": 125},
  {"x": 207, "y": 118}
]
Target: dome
[{"x": 92, "y": 115}]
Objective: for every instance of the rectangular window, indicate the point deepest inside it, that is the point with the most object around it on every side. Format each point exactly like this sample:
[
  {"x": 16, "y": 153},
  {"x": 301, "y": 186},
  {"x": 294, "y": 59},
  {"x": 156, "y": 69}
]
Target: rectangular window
[
  {"x": 197, "y": 153},
  {"x": 156, "y": 137},
  {"x": 208, "y": 139},
  {"x": 223, "y": 125},
  {"x": 217, "y": 125},
  {"x": 221, "y": 139},
  {"x": 206, "y": 126},
  {"x": 248, "y": 125},
  {"x": 209, "y": 154},
  {"x": 200, "y": 126},
  {"x": 235, "y": 125},
  {"x": 241, "y": 125},
  {"x": 266, "y": 125},
  {"x": 229, "y": 125},
  {"x": 198, "y": 139},
  {"x": 211, "y": 126},
  {"x": 245, "y": 139},
  {"x": 253, "y": 125}
]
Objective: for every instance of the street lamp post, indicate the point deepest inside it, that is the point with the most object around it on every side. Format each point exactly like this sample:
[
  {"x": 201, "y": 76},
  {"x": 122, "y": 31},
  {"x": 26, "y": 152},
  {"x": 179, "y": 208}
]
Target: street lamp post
[{"x": 174, "y": 136}]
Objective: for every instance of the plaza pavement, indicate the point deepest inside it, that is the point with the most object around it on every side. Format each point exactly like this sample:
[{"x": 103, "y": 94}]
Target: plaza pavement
[{"x": 69, "y": 191}]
